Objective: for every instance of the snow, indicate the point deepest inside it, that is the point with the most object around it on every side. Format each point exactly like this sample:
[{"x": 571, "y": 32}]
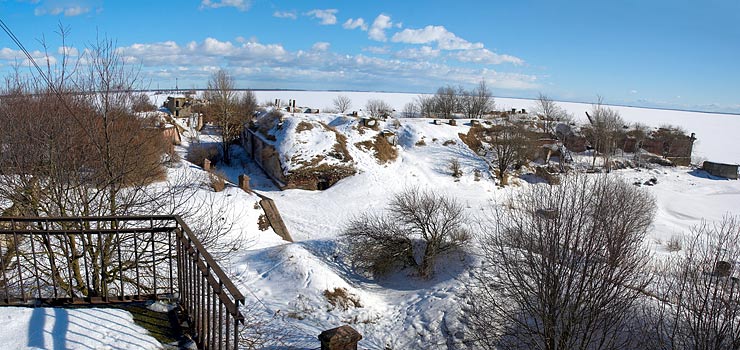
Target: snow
[
  {"x": 401, "y": 310},
  {"x": 284, "y": 282},
  {"x": 713, "y": 130},
  {"x": 62, "y": 328},
  {"x": 299, "y": 148}
]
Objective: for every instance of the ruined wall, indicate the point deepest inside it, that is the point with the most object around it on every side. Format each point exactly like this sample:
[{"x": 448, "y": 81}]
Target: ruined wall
[
  {"x": 719, "y": 169},
  {"x": 264, "y": 155}
]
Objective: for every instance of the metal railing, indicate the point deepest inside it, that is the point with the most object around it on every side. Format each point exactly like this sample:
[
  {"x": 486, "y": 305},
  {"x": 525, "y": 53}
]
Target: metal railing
[{"x": 59, "y": 261}]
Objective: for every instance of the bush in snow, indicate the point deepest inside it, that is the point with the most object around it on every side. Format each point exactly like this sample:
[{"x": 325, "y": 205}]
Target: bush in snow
[
  {"x": 414, "y": 218},
  {"x": 697, "y": 305},
  {"x": 342, "y": 299},
  {"x": 197, "y": 152},
  {"x": 455, "y": 168},
  {"x": 674, "y": 244},
  {"x": 378, "y": 109},
  {"x": 565, "y": 269}
]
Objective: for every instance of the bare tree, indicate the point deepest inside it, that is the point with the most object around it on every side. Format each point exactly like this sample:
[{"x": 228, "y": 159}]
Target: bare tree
[
  {"x": 482, "y": 100},
  {"x": 426, "y": 105},
  {"x": 411, "y": 110},
  {"x": 550, "y": 113},
  {"x": 698, "y": 299},
  {"x": 142, "y": 103},
  {"x": 73, "y": 147},
  {"x": 445, "y": 101},
  {"x": 563, "y": 270},
  {"x": 378, "y": 108},
  {"x": 342, "y": 103},
  {"x": 505, "y": 147},
  {"x": 414, "y": 218},
  {"x": 476, "y": 102},
  {"x": 225, "y": 110},
  {"x": 605, "y": 130}
]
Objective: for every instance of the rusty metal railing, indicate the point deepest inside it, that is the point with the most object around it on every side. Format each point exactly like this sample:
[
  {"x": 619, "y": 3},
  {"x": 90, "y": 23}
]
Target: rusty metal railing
[{"x": 76, "y": 260}]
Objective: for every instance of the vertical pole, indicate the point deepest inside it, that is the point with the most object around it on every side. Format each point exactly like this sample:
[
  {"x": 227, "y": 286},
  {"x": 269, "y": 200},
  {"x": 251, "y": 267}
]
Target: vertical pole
[
  {"x": 180, "y": 277},
  {"x": 136, "y": 266},
  {"x": 70, "y": 256},
  {"x": 154, "y": 263},
  {"x": 220, "y": 319},
  {"x": 103, "y": 290},
  {"x": 120, "y": 261},
  {"x": 18, "y": 260},
  {"x": 84, "y": 254},
  {"x": 5, "y": 277},
  {"x": 169, "y": 260},
  {"x": 35, "y": 267},
  {"x": 228, "y": 331}
]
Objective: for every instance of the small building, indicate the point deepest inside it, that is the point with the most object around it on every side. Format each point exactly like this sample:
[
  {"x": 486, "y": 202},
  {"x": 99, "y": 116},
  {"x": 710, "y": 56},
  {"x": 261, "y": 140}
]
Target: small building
[
  {"x": 179, "y": 105},
  {"x": 728, "y": 171}
]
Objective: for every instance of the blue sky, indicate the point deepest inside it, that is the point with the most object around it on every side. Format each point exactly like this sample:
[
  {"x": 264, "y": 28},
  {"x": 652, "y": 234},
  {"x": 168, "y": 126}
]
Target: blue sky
[{"x": 678, "y": 54}]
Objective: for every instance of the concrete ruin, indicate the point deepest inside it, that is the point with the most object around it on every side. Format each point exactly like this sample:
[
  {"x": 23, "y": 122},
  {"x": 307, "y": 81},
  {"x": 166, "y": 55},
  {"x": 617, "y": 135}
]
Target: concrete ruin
[{"x": 728, "y": 171}]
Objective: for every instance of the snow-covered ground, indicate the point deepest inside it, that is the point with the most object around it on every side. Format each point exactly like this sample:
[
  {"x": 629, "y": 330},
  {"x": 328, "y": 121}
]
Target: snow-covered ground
[
  {"x": 285, "y": 282},
  {"x": 401, "y": 311},
  {"x": 714, "y": 131},
  {"x": 60, "y": 328}
]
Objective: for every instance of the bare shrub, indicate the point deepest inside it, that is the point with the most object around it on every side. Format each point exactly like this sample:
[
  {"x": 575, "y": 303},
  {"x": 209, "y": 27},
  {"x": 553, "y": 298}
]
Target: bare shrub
[
  {"x": 342, "y": 103},
  {"x": 420, "y": 143},
  {"x": 303, "y": 126},
  {"x": 383, "y": 150},
  {"x": 455, "y": 169},
  {"x": 199, "y": 151},
  {"x": 563, "y": 270},
  {"x": 674, "y": 244},
  {"x": 698, "y": 300},
  {"x": 342, "y": 299},
  {"x": 414, "y": 218},
  {"x": 262, "y": 223},
  {"x": 378, "y": 108},
  {"x": 449, "y": 143}
]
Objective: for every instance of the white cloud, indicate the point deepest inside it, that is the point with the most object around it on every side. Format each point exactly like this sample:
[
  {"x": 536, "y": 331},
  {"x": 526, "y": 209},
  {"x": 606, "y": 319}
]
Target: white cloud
[
  {"x": 320, "y": 46},
  {"x": 378, "y": 50},
  {"x": 485, "y": 56},
  {"x": 327, "y": 16},
  {"x": 69, "y": 51},
  {"x": 424, "y": 52},
  {"x": 445, "y": 39},
  {"x": 240, "y": 5},
  {"x": 269, "y": 64},
  {"x": 215, "y": 47},
  {"x": 70, "y": 11},
  {"x": 380, "y": 24},
  {"x": 285, "y": 14},
  {"x": 355, "y": 23}
]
